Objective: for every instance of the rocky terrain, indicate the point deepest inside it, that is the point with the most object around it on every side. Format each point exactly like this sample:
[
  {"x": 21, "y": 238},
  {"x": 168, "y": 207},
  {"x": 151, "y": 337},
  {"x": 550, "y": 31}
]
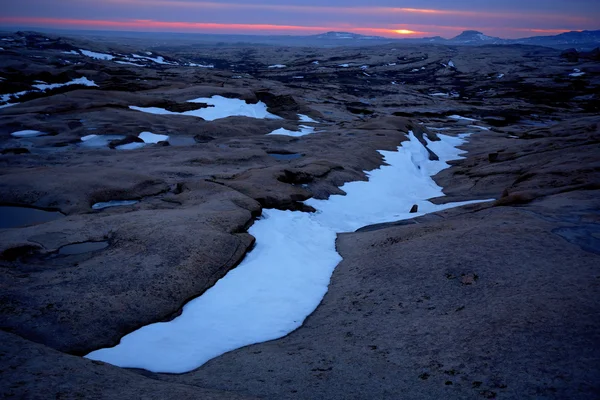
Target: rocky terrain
[{"x": 493, "y": 300}]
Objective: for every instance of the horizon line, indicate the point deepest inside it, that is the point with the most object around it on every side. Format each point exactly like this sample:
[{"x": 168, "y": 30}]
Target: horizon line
[{"x": 145, "y": 26}]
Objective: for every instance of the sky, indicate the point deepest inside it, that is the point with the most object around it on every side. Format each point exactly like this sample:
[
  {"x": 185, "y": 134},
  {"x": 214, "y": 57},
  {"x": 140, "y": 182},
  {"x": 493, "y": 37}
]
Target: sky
[{"x": 389, "y": 18}]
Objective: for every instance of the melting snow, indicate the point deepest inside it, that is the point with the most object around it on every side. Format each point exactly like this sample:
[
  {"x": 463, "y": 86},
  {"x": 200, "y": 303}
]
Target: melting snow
[
  {"x": 483, "y": 128},
  {"x": 113, "y": 203},
  {"x": 306, "y": 118},
  {"x": 99, "y": 140},
  {"x": 223, "y": 108},
  {"x": 79, "y": 81},
  {"x": 201, "y": 65},
  {"x": 576, "y": 72},
  {"x": 130, "y": 63},
  {"x": 158, "y": 59},
  {"x": 283, "y": 279},
  {"x": 304, "y": 130},
  {"x": 131, "y": 146},
  {"x": 149, "y": 137},
  {"x": 97, "y": 56},
  {"x": 27, "y": 133},
  {"x": 458, "y": 117}
]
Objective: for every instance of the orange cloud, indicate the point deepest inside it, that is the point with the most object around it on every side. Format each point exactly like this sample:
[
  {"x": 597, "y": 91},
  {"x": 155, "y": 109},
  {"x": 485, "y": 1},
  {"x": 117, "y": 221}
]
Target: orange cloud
[
  {"x": 170, "y": 4},
  {"x": 152, "y": 25},
  {"x": 412, "y": 30}
]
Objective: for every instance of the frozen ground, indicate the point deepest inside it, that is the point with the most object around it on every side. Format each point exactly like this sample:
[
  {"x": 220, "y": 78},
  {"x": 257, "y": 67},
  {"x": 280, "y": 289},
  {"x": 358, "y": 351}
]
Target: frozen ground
[{"x": 285, "y": 277}]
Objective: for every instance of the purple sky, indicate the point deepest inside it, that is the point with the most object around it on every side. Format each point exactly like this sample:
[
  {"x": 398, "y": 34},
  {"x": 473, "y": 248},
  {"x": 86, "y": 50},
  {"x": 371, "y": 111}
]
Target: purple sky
[{"x": 508, "y": 18}]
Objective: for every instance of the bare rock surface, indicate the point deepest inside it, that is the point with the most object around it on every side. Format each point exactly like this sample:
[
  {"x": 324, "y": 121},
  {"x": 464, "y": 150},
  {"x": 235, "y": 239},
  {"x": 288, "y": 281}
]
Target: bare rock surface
[{"x": 39, "y": 372}]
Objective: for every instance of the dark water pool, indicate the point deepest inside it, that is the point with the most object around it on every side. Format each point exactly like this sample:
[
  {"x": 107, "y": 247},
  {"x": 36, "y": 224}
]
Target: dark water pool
[
  {"x": 80, "y": 248},
  {"x": 15, "y": 217}
]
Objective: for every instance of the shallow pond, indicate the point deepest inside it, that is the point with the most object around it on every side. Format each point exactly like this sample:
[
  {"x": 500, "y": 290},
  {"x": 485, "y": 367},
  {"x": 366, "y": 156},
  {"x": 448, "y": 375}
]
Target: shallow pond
[
  {"x": 80, "y": 248},
  {"x": 286, "y": 156},
  {"x": 15, "y": 217}
]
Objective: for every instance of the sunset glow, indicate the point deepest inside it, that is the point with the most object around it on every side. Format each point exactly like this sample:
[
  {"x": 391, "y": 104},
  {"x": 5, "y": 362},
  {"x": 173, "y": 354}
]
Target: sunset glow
[
  {"x": 509, "y": 19},
  {"x": 405, "y": 32}
]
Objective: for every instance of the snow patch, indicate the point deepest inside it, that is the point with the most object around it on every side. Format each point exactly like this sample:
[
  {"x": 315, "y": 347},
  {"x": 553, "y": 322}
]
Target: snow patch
[
  {"x": 306, "y": 118},
  {"x": 131, "y": 146},
  {"x": 576, "y": 72},
  {"x": 459, "y": 118},
  {"x": 130, "y": 63},
  {"x": 97, "y": 56},
  {"x": 222, "y": 108},
  {"x": 79, "y": 81},
  {"x": 286, "y": 275},
  {"x": 277, "y": 66},
  {"x": 201, "y": 65},
  {"x": 304, "y": 130},
  {"x": 149, "y": 137},
  {"x": 113, "y": 203},
  {"x": 27, "y": 134}
]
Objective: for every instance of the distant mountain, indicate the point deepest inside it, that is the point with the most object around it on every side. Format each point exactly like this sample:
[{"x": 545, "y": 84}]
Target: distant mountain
[
  {"x": 347, "y": 36},
  {"x": 583, "y": 39},
  {"x": 474, "y": 37}
]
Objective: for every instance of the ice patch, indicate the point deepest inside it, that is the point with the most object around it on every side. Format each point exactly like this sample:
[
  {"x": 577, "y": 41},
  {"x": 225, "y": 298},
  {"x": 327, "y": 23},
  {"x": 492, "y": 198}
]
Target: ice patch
[
  {"x": 158, "y": 59},
  {"x": 576, "y": 72},
  {"x": 451, "y": 64},
  {"x": 97, "y": 56},
  {"x": 130, "y": 63},
  {"x": 304, "y": 130},
  {"x": 131, "y": 146},
  {"x": 27, "y": 134},
  {"x": 73, "y": 52},
  {"x": 222, "y": 108},
  {"x": 277, "y": 66},
  {"x": 500, "y": 76},
  {"x": 113, "y": 203},
  {"x": 458, "y": 117},
  {"x": 201, "y": 65},
  {"x": 483, "y": 128},
  {"x": 315, "y": 62},
  {"x": 149, "y": 137},
  {"x": 79, "y": 81},
  {"x": 306, "y": 118},
  {"x": 344, "y": 65},
  {"x": 286, "y": 275},
  {"x": 96, "y": 141}
]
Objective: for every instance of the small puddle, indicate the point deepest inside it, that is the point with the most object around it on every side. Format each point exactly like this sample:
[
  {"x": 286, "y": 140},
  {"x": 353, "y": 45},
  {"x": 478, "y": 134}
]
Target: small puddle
[
  {"x": 182, "y": 141},
  {"x": 80, "y": 248},
  {"x": 285, "y": 156},
  {"x": 584, "y": 236},
  {"x": 16, "y": 217},
  {"x": 113, "y": 203}
]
